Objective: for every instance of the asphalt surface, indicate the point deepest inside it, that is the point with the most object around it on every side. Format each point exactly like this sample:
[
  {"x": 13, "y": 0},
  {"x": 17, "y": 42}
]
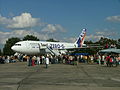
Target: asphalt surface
[{"x": 18, "y": 76}]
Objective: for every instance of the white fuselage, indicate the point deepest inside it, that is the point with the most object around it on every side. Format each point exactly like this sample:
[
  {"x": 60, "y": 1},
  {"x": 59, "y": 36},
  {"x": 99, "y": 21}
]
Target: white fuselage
[{"x": 37, "y": 47}]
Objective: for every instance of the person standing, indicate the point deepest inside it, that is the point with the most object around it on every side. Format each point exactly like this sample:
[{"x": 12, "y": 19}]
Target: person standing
[
  {"x": 28, "y": 58},
  {"x": 99, "y": 59},
  {"x": 103, "y": 60},
  {"x": 91, "y": 58},
  {"x": 30, "y": 61},
  {"x": 47, "y": 61},
  {"x": 38, "y": 60},
  {"x": 43, "y": 60},
  {"x": 108, "y": 60},
  {"x": 75, "y": 60},
  {"x": 33, "y": 60},
  {"x": 111, "y": 62},
  {"x": 8, "y": 58}
]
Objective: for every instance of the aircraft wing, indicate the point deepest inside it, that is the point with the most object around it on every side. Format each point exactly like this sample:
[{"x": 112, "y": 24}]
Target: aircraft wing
[
  {"x": 111, "y": 50},
  {"x": 84, "y": 47}
]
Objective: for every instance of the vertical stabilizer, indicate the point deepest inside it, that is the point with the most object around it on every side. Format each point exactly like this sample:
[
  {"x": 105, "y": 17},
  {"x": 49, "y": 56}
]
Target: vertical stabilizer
[{"x": 81, "y": 38}]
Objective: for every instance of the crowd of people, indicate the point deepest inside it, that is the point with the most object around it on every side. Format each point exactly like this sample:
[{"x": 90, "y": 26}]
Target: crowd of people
[
  {"x": 8, "y": 59},
  {"x": 109, "y": 60},
  {"x": 101, "y": 59}
]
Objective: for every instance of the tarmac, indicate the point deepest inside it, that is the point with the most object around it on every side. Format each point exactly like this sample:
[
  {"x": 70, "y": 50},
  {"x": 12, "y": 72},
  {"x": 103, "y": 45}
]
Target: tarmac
[{"x": 19, "y": 76}]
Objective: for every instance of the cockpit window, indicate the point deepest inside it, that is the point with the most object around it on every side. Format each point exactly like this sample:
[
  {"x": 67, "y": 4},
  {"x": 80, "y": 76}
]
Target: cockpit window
[{"x": 17, "y": 44}]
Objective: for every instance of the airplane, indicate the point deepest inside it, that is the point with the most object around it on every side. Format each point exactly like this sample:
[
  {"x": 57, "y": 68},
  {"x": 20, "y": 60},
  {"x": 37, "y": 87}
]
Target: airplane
[{"x": 42, "y": 47}]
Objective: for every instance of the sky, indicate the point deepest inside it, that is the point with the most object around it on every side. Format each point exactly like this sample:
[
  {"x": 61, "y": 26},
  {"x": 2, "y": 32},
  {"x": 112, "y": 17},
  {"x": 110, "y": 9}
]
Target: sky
[{"x": 61, "y": 20}]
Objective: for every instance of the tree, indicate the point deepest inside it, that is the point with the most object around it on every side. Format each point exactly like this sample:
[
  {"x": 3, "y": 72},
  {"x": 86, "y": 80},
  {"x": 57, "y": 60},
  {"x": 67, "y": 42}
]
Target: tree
[
  {"x": 119, "y": 40},
  {"x": 118, "y": 44},
  {"x": 88, "y": 42},
  {"x": 52, "y": 40},
  {"x": 9, "y": 43},
  {"x": 30, "y": 37},
  {"x": 0, "y": 52},
  {"x": 104, "y": 41}
]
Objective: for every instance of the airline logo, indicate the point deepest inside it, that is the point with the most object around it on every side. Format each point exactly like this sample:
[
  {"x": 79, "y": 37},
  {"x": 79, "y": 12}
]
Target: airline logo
[
  {"x": 81, "y": 38},
  {"x": 57, "y": 46}
]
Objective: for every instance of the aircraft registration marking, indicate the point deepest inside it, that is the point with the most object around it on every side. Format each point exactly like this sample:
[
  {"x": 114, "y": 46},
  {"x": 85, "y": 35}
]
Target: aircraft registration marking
[{"x": 60, "y": 46}]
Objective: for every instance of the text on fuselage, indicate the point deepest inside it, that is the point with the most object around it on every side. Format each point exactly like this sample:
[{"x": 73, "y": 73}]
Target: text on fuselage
[{"x": 60, "y": 46}]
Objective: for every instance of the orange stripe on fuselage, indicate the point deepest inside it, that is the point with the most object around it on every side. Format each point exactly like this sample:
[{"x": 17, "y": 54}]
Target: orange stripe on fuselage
[{"x": 82, "y": 39}]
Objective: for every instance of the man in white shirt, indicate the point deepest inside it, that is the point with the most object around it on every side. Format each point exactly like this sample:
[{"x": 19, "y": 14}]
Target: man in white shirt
[
  {"x": 38, "y": 60},
  {"x": 47, "y": 61}
]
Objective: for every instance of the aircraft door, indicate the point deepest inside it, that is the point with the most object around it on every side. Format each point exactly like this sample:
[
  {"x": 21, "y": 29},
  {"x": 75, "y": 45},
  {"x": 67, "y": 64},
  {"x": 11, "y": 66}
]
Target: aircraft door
[
  {"x": 27, "y": 45},
  {"x": 39, "y": 46},
  {"x": 41, "y": 51}
]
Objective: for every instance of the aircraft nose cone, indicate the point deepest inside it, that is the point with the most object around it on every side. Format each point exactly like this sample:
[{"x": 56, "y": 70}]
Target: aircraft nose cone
[{"x": 13, "y": 48}]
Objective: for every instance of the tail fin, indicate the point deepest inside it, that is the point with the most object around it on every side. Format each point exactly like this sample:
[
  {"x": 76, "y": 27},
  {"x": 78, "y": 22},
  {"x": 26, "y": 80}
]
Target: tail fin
[{"x": 81, "y": 38}]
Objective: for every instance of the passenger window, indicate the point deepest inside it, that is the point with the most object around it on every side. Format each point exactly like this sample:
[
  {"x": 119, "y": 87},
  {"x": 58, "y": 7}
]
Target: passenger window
[{"x": 17, "y": 44}]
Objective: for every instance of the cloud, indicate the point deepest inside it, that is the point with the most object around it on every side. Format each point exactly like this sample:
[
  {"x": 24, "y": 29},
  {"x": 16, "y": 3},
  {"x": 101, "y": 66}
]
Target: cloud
[
  {"x": 4, "y": 20},
  {"x": 87, "y": 38},
  {"x": 4, "y": 37},
  {"x": 93, "y": 37},
  {"x": 69, "y": 39},
  {"x": 25, "y": 20},
  {"x": 100, "y": 33},
  {"x": 106, "y": 32},
  {"x": 50, "y": 28},
  {"x": 25, "y": 24},
  {"x": 20, "y": 34},
  {"x": 113, "y": 18}
]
